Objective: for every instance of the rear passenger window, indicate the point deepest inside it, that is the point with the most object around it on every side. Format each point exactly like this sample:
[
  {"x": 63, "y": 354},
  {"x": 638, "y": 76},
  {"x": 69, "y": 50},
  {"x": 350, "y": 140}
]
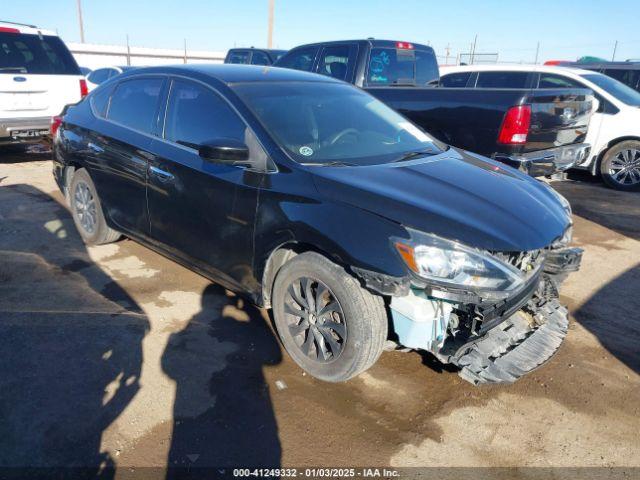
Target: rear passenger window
[
  {"x": 241, "y": 57},
  {"x": 135, "y": 103},
  {"x": 196, "y": 115},
  {"x": 455, "y": 80},
  {"x": 334, "y": 61},
  {"x": 502, "y": 80},
  {"x": 100, "y": 100},
  {"x": 260, "y": 58},
  {"x": 550, "y": 80},
  {"x": 301, "y": 59}
]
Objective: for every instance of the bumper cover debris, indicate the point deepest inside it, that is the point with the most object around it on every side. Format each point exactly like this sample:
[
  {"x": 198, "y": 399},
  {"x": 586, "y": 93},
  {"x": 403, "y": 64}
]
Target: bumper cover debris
[{"x": 515, "y": 347}]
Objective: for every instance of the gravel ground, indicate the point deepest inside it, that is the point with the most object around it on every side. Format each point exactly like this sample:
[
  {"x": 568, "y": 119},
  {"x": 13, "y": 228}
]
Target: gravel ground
[{"x": 115, "y": 356}]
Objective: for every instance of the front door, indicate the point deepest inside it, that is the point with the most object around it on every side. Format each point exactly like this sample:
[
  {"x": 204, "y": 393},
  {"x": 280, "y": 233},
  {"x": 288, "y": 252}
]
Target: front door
[{"x": 202, "y": 211}]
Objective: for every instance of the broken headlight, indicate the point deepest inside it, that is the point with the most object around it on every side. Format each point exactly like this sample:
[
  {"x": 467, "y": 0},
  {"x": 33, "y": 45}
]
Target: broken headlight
[{"x": 450, "y": 264}]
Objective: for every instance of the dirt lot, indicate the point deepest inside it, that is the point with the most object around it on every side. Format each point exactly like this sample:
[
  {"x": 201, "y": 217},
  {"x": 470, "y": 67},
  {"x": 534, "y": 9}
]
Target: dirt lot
[{"x": 116, "y": 356}]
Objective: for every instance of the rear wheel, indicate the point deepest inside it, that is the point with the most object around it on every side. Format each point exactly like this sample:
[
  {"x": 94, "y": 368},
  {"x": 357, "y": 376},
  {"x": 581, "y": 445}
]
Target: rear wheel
[
  {"x": 87, "y": 211},
  {"x": 332, "y": 327},
  {"x": 620, "y": 166}
]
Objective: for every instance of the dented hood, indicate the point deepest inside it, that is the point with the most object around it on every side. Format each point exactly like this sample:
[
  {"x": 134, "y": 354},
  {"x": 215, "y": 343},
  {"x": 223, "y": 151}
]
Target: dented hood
[{"x": 455, "y": 195}]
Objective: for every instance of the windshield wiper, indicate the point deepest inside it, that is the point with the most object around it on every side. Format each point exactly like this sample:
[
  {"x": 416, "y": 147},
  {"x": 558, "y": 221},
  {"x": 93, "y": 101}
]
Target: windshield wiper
[
  {"x": 334, "y": 163},
  {"x": 16, "y": 69},
  {"x": 415, "y": 154}
]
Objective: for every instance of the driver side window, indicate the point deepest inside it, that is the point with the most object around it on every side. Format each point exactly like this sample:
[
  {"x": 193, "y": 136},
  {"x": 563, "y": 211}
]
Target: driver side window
[{"x": 196, "y": 114}]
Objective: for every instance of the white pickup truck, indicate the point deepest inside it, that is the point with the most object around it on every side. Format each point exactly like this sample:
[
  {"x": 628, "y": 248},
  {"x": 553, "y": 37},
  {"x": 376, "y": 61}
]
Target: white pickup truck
[{"x": 38, "y": 77}]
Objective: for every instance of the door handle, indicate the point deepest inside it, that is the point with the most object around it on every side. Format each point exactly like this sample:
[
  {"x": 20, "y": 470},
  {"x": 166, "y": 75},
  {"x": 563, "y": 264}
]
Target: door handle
[
  {"x": 95, "y": 148},
  {"x": 162, "y": 175}
]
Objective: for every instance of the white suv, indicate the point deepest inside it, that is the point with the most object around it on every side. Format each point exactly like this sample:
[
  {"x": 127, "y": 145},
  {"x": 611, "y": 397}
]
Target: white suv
[
  {"x": 38, "y": 77},
  {"x": 614, "y": 130}
]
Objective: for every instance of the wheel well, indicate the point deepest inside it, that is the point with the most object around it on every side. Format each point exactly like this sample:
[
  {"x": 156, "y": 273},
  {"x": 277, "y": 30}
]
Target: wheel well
[
  {"x": 278, "y": 258},
  {"x": 595, "y": 169},
  {"x": 69, "y": 169}
]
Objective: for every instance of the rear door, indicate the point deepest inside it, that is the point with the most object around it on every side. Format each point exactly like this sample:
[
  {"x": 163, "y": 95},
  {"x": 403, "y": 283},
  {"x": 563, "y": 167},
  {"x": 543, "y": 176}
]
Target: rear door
[
  {"x": 118, "y": 149},
  {"x": 338, "y": 61},
  {"x": 201, "y": 211},
  {"x": 38, "y": 75}
]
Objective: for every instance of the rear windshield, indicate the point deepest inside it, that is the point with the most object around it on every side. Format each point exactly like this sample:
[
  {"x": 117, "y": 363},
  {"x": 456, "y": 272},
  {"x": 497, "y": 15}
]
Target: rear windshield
[
  {"x": 393, "y": 66},
  {"x": 46, "y": 55}
]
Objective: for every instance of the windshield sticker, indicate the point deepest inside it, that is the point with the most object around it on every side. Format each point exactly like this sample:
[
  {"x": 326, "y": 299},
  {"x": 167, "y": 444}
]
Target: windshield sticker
[
  {"x": 306, "y": 151},
  {"x": 415, "y": 131}
]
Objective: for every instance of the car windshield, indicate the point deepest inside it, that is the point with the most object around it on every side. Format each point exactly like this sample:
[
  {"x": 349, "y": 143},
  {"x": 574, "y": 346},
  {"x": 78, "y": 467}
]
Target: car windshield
[
  {"x": 45, "y": 54},
  {"x": 618, "y": 89},
  {"x": 330, "y": 123}
]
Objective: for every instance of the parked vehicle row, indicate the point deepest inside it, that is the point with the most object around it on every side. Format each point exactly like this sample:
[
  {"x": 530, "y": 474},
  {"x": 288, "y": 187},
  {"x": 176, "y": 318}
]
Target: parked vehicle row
[
  {"x": 539, "y": 132},
  {"x": 614, "y": 131},
  {"x": 38, "y": 77},
  {"x": 315, "y": 199}
]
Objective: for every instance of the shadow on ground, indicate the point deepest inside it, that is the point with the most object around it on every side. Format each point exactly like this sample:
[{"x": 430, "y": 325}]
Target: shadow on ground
[
  {"x": 71, "y": 356},
  {"x": 612, "y": 314},
  {"x": 237, "y": 427},
  {"x": 24, "y": 153},
  {"x": 592, "y": 200}
]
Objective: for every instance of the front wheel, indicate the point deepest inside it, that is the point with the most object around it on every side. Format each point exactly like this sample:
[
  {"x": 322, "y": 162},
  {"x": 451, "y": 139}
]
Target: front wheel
[
  {"x": 332, "y": 327},
  {"x": 620, "y": 166}
]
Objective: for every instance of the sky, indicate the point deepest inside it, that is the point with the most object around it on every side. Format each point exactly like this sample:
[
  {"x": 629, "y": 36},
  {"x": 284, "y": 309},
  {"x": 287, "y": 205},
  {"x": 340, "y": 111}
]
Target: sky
[{"x": 564, "y": 29}]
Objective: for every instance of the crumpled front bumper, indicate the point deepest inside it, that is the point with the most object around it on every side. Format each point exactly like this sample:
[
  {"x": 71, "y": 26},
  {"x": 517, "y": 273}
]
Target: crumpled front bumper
[
  {"x": 548, "y": 162},
  {"x": 506, "y": 339},
  {"x": 515, "y": 347}
]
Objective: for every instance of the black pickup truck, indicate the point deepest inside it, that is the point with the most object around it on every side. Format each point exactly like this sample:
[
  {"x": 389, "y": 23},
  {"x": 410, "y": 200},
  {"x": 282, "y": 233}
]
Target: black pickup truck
[{"x": 540, "y": 132}]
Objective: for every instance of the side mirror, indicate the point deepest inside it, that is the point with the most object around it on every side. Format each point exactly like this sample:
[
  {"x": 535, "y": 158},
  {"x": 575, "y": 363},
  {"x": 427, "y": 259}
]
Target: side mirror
[{"x": 224, "y": 150}]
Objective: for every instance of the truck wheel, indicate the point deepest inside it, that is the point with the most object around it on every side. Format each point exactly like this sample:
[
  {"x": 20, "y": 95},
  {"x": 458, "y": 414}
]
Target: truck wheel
[
  {"x": 332, "y": 327},
  {"x": 87, "y": 211},
  {"x": 620, "y": 166}
]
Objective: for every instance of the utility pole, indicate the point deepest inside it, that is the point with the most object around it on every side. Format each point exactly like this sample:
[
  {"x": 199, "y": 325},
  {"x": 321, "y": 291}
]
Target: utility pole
[
  {"x": 128, "y": 51},
  {"x": 270, "y": 36},
  {"x": 447, "y": 49},
  {"x": 473, "y": 48},
  {"x": 185, "y": 50},
  {"x": 615, "y": 47},
  {"x": 80, "y": 21},
  {"x": 537, "y": 51}
]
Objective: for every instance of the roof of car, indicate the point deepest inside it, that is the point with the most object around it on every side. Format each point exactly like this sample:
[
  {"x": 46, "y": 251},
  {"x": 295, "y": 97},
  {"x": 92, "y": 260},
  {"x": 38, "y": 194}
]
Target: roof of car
[
  {"x": 513, "y": 68},
  {"x": 26, "y": 29},
  {"x": 373, "y": 41},
  {"x": 233, "y": 73}
]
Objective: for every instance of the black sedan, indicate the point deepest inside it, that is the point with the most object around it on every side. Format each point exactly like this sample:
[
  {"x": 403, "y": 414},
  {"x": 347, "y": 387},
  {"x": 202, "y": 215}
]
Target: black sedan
[{"x": 311, "y": 197}]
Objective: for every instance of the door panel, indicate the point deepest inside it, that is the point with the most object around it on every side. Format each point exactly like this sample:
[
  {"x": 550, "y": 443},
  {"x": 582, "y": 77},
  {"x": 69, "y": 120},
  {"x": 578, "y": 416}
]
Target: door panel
[
  {"x": 119, "y": 153},
  {"x": 202, "y": 211}
]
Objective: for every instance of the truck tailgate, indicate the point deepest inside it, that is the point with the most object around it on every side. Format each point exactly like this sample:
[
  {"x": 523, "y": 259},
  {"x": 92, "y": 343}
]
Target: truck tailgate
[{"x": 558, "y": 117}]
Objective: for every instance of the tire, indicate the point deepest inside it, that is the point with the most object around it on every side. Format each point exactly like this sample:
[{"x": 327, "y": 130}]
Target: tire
[
  {"x": 620, "y": 166},
  {"x": 87, "y": 211},
  {"x": 354, "y": 318}
]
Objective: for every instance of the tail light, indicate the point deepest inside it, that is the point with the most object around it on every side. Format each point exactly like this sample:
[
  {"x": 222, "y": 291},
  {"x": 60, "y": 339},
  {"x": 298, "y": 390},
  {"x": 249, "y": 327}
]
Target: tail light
[
  {"x": 9, "y": 30},
  {"x": 55, "y": 125},
  {"x": 84, "y": 90},
  {"x": 515, "y": 125},
  {"x": 404, "y": 46}
]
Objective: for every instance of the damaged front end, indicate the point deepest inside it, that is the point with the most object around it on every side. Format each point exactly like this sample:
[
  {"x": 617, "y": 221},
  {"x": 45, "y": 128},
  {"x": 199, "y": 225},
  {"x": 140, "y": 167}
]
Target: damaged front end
[{"x": 495, "y": 315}]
